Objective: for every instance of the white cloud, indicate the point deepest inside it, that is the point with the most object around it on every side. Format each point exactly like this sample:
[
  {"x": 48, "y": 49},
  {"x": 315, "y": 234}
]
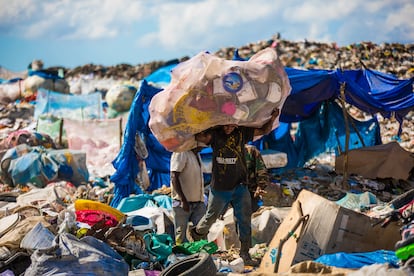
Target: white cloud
[
  {"x": 15, "y": 12},
  {"x": 71, "y": 19},
  {"x": 188, "y": 24},
  {"x": 11, "y": 10},
  {"x": 402, "y": 21},
  {"x": 318, "y": 11}
]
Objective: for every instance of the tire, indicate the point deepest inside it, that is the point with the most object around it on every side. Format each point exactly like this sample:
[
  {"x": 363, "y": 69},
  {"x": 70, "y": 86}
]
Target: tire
[{"x": 199, "y": 264}]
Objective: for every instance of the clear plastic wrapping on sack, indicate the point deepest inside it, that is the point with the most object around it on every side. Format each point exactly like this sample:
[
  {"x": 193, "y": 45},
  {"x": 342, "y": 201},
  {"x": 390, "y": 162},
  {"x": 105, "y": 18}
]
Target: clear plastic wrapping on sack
[{"x": 206, "y": 91}]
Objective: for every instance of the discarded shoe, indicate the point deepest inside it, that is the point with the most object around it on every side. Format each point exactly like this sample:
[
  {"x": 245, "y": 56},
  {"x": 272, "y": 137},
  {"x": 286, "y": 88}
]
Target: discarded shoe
[{"x": 195, "y": 235}]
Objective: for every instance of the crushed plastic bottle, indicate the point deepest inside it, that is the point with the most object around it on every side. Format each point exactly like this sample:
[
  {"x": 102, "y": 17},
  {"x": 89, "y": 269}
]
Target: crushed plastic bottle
[{"x": 68, "y": 223}]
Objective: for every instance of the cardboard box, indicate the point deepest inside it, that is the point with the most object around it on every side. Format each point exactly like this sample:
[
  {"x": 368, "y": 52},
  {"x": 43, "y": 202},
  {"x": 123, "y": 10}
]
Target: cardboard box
[{"x": 329, "y": 228}]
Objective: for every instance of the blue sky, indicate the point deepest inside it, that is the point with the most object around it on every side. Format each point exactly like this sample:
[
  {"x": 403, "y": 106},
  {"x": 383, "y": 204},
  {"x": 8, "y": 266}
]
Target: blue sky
[{"x": 71, "y": 33}]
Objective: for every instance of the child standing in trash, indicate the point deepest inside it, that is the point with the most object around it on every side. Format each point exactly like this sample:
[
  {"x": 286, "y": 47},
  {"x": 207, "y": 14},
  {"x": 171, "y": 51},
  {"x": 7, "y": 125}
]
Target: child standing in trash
[
  {"x": 187, "y": 188},
  {"x": 228, "y": 182}
]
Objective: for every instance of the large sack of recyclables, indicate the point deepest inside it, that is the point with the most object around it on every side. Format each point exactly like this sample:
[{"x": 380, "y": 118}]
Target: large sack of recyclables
[{"x": 207, "y": 91}]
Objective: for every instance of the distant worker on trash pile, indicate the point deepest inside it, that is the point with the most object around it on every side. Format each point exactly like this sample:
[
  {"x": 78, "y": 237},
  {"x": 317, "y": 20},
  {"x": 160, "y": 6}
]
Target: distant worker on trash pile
[
  {"x": 187, "y": 188},
  {"x": 229, "y": 181},
  {"x": 257, "y": 175}
]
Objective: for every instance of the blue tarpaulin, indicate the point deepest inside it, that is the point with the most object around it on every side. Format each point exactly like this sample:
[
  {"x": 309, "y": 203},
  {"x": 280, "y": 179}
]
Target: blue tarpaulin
[
  {"x": 311, "y": 103},
  {"x": 326, "y": 126},
  {"x": 162, "y": 75},
  {"x": 126, "y": 163},
  {"x": 358, "y": 260}
]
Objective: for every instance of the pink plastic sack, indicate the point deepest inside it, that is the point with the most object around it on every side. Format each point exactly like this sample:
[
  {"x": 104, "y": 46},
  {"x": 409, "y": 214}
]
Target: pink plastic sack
[{"x": 206, "y": 91}]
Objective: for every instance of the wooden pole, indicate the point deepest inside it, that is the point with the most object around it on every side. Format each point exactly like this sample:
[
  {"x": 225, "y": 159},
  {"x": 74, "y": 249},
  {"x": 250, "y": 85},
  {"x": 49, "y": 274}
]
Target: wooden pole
[
  {"x": 345, "y": 184},
  {"x": 60, "y": 132},
  {"x": 120, "y": 132}
]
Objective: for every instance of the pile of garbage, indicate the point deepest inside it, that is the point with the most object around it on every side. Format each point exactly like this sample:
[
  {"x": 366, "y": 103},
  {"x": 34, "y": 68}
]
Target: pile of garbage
[
  {"x": 56, "y": 221},
  {"x": 46, "y": 229},
  {"x": 394, "y": 58}
]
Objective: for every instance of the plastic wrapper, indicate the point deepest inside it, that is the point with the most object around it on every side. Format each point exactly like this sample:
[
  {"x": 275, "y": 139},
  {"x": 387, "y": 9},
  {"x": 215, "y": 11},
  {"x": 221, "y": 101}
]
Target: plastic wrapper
[
  {"x": 207, "y": 91},
  {"x": 99, "y": 139},
  {"x": 68, "y": 106}
]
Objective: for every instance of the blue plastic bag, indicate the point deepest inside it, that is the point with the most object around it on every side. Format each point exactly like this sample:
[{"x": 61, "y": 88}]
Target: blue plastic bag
[{"x": 358, "y": 260}]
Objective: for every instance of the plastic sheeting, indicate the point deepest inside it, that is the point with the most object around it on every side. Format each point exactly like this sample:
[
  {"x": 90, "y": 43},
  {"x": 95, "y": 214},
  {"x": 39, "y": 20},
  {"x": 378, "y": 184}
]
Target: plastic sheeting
[
  {"x": 327, "y": 126},
  {"x": 376, "y": 92},
  {"x": 39, "y": 237},
  {"x": 99, "y": 139},
  {"x": 70, "y": 256},
  {"x": 358, "y": 202},
  {"x": 24, "y": 164},
  {"x": 358, "y": 260},
  {"x": 69, "y": 106},
  {"x": 371, "y": 91},
  {"x": 126, "y": 162},
  {"x": 162, "y": 76}
]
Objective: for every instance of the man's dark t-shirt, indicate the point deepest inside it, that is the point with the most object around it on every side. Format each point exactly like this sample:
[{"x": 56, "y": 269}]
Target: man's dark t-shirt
[{"x": 229, "y": 162}]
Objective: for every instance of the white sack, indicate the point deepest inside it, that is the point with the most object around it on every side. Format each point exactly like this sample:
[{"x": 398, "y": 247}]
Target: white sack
[{"x": 206, "y": 91}]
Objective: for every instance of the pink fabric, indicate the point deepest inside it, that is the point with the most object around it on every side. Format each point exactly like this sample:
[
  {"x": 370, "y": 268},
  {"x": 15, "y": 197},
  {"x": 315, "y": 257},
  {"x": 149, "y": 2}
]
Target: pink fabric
[{"x": 91, "y": 217}]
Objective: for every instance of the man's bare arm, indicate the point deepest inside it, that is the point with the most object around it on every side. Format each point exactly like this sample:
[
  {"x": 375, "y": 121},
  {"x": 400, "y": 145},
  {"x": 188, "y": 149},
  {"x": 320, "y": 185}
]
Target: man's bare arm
[{"x": 177, "y": 186}]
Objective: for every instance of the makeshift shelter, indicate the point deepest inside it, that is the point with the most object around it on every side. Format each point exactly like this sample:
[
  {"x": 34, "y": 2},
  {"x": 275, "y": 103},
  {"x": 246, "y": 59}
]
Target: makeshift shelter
[
  {"x": 323, "y": 131},
  {"x": 80, "y": 121},
  {"x": 126, "y": 163},
  {"x": 312, "y": 102},
  {"x": 315, "y": 91}
]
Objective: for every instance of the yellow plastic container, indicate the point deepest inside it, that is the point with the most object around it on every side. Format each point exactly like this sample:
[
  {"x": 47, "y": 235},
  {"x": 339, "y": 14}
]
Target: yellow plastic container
[{"x": 86, "y": 204}]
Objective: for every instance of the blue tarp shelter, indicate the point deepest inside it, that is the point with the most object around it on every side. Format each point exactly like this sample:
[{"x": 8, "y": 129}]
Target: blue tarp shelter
[
  {"x": 312, "y": 103},
  {"x": 126, "y": 163}
]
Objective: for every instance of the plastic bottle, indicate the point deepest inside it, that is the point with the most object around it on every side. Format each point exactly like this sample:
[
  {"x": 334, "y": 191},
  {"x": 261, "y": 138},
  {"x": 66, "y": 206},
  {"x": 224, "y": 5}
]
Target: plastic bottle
[{"x": 67, "y": 224}]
